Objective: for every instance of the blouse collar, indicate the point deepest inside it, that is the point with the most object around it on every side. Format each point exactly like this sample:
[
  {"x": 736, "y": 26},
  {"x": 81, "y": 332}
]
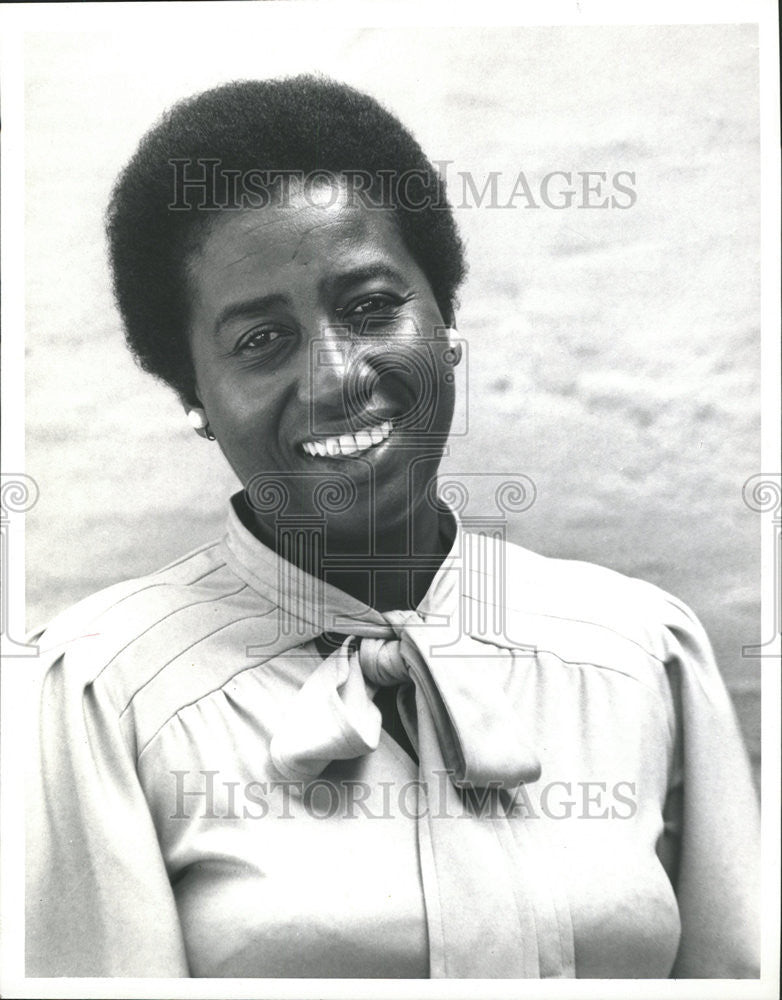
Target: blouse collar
[{"x": 307, "y": 599}]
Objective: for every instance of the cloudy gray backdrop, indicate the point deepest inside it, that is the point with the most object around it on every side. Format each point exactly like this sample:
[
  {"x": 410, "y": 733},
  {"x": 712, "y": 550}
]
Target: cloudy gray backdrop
[{"x": 613, "y": 354}]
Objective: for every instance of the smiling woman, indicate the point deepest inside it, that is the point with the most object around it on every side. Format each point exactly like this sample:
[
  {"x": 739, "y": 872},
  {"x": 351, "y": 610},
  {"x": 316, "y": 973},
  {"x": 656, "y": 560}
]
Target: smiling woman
[
  {"x": 331, "y": 743},
  {"x": 313, "y": 328}
]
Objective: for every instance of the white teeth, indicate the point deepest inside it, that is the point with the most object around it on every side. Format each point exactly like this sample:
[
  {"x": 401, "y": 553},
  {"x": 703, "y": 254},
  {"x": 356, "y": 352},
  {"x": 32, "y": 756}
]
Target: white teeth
[
  {"x": 349, "y": 449},
  {"x": 349, "y": 444}
]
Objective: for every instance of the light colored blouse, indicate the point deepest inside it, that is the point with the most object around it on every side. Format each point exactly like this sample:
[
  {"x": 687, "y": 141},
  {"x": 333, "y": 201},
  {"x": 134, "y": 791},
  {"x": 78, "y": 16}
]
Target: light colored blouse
[{"x": 212, "y": 797}]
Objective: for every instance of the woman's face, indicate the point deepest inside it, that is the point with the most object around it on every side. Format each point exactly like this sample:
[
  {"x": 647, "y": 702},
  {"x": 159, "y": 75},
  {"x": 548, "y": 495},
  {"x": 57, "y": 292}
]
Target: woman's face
[{"x": 320, "y": 354}]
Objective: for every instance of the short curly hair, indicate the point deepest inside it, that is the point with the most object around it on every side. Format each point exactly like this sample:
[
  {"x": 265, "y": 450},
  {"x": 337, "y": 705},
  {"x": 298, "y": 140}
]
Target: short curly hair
[{"x": 302, "y": 124}]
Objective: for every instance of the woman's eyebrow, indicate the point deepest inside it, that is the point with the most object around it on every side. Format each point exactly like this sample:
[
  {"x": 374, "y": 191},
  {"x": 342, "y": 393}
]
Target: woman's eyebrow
[
  {"x": 249, "y": 307},
  {"x": 366, "y": 272}
]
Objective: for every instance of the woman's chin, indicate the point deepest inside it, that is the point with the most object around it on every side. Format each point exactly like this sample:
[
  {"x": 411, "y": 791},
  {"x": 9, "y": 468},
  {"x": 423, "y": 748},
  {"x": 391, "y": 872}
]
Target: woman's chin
[{"x": 353, "y": 496}]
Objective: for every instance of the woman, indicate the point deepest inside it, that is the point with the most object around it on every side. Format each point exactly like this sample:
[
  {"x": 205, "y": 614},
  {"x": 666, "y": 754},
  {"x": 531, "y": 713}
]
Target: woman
[{"x": 351, "y": 739}]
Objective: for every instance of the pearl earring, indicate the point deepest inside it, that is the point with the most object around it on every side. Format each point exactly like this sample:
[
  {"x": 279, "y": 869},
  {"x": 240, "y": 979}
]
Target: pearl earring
[
  {"x": 197, "y": 420},
  {"x": 454, "y": 354}
]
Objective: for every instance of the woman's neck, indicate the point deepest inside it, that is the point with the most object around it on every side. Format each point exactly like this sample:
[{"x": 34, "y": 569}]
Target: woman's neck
[
  {"x": 396, "y": 572},
  {"x": 384, "y": 567}
]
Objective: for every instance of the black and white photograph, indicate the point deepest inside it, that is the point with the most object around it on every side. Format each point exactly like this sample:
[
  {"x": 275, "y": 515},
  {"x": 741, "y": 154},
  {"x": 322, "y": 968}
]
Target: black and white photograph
[{"x": 390, "y": 500}]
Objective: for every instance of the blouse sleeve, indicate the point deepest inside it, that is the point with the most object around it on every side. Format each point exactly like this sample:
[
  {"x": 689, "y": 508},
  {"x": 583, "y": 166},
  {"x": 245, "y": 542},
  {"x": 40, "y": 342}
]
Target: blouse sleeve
[
  {"x": 98, "y": 900},
  {"x": 717, "y": 885}
]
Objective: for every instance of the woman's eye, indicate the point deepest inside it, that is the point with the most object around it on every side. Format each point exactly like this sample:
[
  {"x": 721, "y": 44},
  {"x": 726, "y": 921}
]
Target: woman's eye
[
  {"x": 259, "y": 340},
  {"x": 371, "y": 304}
]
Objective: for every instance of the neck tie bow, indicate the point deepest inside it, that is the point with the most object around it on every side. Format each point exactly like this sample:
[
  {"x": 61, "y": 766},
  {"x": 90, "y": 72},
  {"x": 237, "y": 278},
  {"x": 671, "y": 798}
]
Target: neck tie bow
[
  {"x": 463, "y": 694},
  {"x": 481, "y": 920}
]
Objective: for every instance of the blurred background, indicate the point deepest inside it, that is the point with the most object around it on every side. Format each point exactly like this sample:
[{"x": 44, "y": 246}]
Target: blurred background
[{"x": 613, "y": 354}]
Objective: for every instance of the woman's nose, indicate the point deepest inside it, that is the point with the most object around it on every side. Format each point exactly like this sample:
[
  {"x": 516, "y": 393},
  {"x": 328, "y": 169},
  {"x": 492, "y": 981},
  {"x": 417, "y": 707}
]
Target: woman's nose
[{"x": 338, "y": 380}]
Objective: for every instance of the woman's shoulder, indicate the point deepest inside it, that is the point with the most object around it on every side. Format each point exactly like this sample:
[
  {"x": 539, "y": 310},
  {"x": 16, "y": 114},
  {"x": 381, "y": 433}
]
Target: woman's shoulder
[
  {"x": 132, "y": 629},
  {"x": 131, "y": 657},
  {"x": 182, "y": 575},
  {"x": 587, "y": 599}
]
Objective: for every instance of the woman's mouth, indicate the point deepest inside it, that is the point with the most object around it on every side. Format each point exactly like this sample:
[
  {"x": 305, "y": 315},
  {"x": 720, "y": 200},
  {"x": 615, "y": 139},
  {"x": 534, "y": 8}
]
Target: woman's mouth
[{"x": 349, "y": 444}]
